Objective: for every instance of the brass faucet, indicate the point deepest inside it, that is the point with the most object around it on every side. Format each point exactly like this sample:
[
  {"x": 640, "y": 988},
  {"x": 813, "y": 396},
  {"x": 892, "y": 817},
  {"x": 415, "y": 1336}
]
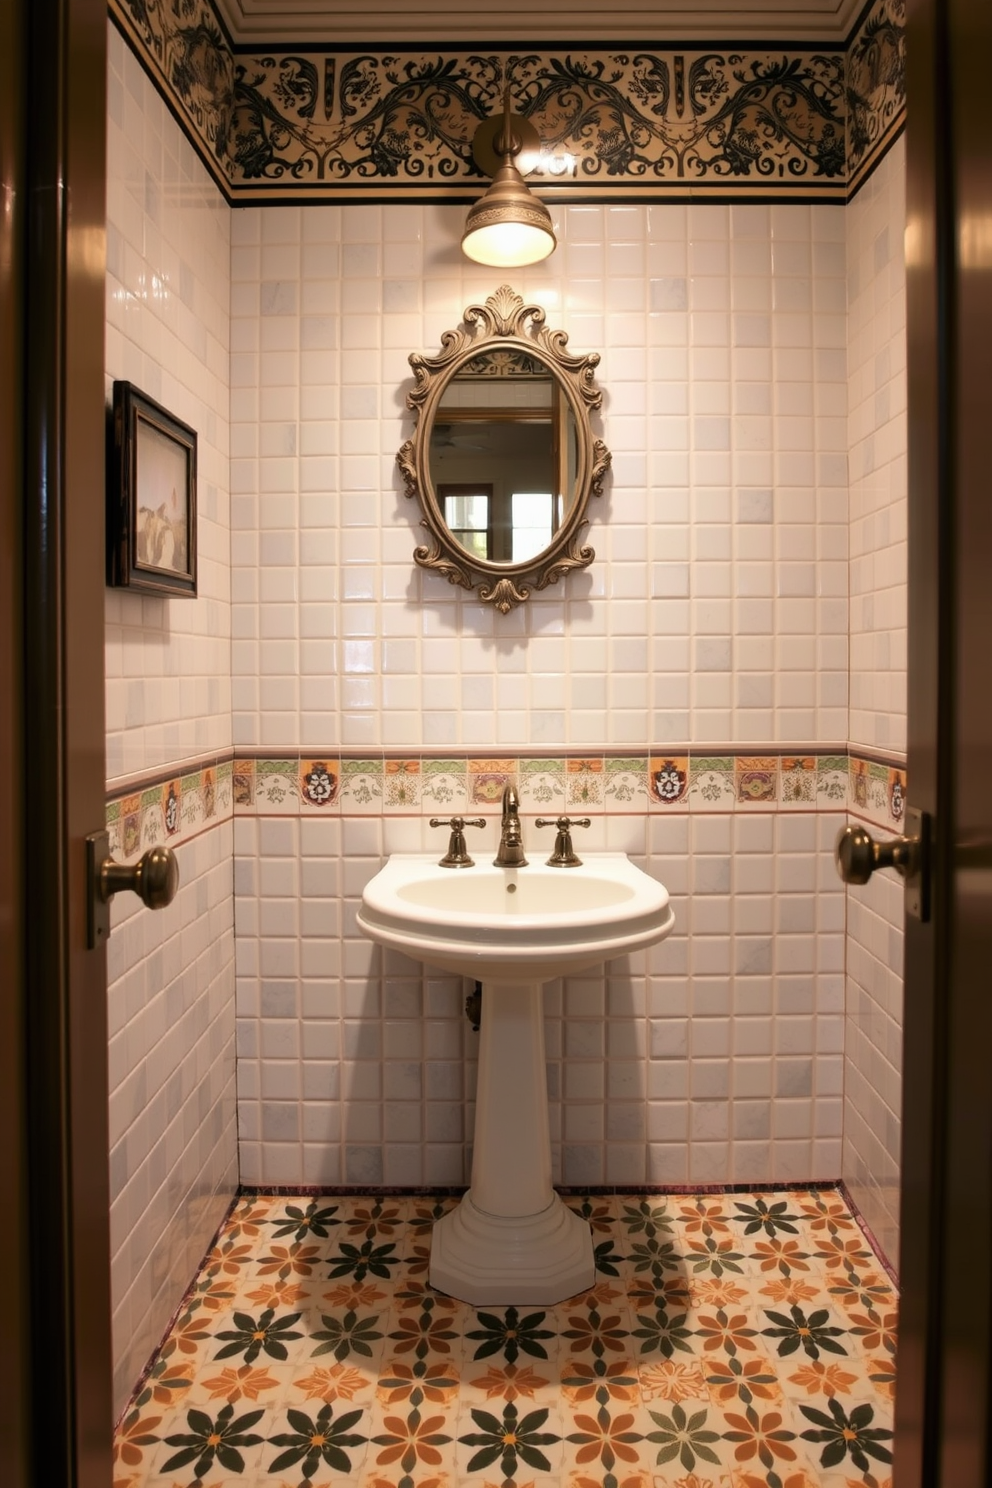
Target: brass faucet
[{"x": 511, "y": 845}]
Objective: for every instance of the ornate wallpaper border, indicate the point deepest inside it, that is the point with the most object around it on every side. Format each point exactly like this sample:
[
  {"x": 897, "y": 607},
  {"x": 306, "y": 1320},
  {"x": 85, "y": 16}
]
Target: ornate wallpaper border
[
  {"x": 177, "y": 806},
  {"x": 325, "y": 124}
]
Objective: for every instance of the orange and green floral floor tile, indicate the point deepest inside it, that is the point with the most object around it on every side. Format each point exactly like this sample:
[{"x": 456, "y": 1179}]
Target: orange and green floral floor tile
[{"x": 738, "y": 1340}]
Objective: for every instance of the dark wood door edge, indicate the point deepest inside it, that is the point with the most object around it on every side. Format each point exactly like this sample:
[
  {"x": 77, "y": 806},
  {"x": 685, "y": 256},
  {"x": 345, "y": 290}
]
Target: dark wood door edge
[
  {"x": 15, "y": 1436},
  {"x": 64, "y": 64},
  {"x": 944, "y": 1373}
]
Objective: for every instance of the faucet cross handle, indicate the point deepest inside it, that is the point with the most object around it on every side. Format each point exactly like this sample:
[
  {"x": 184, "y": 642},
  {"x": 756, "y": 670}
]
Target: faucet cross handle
[
  {"x": 564, "y": 855},
  {"x": 457, "y": 854}
]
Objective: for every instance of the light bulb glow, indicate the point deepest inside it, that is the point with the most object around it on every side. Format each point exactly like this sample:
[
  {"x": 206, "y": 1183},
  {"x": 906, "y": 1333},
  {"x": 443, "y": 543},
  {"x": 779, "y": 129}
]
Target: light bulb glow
[{"x": 508, "y": 245}]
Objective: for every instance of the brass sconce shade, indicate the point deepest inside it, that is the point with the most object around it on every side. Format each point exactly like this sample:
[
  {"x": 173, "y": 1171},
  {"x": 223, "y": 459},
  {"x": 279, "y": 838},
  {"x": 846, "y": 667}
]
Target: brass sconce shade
[{"x": 508, "y": 227}]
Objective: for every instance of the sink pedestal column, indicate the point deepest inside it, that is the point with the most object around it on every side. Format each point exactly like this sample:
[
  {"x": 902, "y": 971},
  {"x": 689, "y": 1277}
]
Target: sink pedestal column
[{"x": 511, "y": 1240}]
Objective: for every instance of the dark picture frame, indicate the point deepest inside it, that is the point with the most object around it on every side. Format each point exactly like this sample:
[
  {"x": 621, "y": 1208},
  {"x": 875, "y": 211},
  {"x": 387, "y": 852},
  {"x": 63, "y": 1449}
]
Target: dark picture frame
[{"x": 151, "y": 526}]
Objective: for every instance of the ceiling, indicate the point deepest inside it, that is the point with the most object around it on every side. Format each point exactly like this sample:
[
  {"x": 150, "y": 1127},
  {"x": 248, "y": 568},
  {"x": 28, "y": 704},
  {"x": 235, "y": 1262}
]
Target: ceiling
[{"x": 348, "y": 22}]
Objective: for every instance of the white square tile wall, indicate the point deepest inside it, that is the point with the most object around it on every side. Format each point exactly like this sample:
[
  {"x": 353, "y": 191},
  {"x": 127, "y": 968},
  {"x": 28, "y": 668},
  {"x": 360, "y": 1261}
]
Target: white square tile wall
[
  {"x": 877, "y": 337},
  {"x": 173, "y": 1159},
  {"x": 873, "y": 1042},
  {"x": 716, "y": 1057},
  {"x": 168, "y": 331},
  {"x": 716, "y": 609},
  {"x": 877, "y": 418},
  {"x": 173, "y": 1129}
]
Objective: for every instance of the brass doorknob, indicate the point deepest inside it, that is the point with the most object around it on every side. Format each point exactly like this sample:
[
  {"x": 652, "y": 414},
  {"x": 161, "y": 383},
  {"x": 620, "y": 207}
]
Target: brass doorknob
[
  {"x": 154, "y": 877},
  {"x": 858, "y": 855}
]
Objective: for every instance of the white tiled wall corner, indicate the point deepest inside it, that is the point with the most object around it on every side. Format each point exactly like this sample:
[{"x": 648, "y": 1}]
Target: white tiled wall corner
[
  {"x": 873, "y": 1055},
  {"x": 173, "y": 1133},
  {"x": 877, "y": 418},
  {"x": 168, "y": 331},
  {"x": 716, "y": 609},
  {"x": 715, "y": 1057},
  {"x": 173, "y": 1159},
  {"x": 878, "y": 442}
]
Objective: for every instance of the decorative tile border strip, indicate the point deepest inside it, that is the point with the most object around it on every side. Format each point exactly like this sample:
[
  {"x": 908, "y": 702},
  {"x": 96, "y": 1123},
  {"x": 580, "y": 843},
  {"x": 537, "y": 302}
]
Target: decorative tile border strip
[
  {"x": 877, "y": 792},
  {"x": 716, "y": 123},
  {"x": 174, "y": 807}
]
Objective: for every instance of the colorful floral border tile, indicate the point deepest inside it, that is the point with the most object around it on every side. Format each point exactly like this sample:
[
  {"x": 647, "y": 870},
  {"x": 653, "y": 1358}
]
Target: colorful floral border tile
[
  {"x": 542, "y": 785},
  {"x": 169, "y": 811},
  {"x": 361, "y": 786},
  {"x": 832, "y": 772},
  {"x": 711, "y": 783},
  {"x": 276, "y": 789},
  {"x": 798, "y": 780},
  {"x": 402, "y": 785},
  {"x": 730, "y": 1340},
  {"x": 318, "y": 785},
  {"x": 756, "y": 780},
  {"x": 584, "y": 782},
  {"x": 444, "y": 784},
  {"x": 877, "y": 792},
  {"x": 626, "y": 782},
  {"x": 869, "y": 790},
  {"x": 243, "y": 784},
  {"x": 410, "y": 784},
  {"x": 487, "y": 779},
  {"x": 897, "y": 796},
  {"x": 668, "y": 779}
]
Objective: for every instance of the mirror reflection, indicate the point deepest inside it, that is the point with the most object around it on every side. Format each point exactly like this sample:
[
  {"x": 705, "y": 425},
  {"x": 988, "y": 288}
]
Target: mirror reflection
[{"x": 503, "y": 457}]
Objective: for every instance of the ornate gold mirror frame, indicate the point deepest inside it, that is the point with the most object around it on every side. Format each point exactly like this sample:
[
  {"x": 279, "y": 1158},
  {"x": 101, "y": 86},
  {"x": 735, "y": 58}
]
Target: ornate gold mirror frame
[{"x": 504, "y": 332}]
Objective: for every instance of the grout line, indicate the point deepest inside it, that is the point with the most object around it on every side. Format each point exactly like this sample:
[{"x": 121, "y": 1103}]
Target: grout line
[{"x": 605, "y": 1190}]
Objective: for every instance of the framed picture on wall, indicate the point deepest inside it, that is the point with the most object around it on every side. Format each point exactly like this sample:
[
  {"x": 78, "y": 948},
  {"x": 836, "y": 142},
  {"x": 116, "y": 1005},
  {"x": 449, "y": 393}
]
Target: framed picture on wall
[{"x": 151, "y": 527}]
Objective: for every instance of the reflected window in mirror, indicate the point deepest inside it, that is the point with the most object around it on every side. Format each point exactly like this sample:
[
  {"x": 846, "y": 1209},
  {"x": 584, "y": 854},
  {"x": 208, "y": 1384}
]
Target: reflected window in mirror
[
  {"x": 467, "y": 512},
  {"x": 532, "y": 514}
]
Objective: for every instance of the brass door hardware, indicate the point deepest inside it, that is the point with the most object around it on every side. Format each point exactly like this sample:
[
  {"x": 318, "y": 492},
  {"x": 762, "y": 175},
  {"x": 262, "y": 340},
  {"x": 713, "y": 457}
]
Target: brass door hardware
[
  {"x": 564, "y": 855},
  {"x": 858, "y": 856},
  {"x": 154, "y": 878},
  {"x": 457, "y": 854}
]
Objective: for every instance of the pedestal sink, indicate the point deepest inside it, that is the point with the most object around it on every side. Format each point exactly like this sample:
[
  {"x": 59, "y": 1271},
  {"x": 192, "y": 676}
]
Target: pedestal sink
[{"x": 511, "y": 1240}]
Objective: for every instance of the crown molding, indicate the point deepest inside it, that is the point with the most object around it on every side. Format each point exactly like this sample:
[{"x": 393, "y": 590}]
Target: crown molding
[{"x": 279, "y": 22}]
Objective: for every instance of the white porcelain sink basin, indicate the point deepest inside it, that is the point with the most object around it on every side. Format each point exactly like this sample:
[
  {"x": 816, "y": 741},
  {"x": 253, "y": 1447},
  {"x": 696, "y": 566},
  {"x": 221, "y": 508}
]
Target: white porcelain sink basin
[
  {"x": 515, "y": 924},
  {"x": 511, "y": 1240}
]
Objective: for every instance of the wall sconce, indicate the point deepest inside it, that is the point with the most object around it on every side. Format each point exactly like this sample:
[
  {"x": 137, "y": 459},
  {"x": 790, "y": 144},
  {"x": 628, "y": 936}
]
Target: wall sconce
[{"x": 509, "y": 226}]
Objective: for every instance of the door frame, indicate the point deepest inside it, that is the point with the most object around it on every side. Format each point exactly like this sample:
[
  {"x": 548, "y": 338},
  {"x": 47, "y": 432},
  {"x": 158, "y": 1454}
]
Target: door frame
[
  {"x": 15, "y": 1437},
  {"x": 944, "y": 1373},
  {"x": 53, "y": 1048}
]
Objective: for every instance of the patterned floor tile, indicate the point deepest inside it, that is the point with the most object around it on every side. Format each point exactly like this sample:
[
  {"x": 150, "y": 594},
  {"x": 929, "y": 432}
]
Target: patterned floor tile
[{"x": 731, "y": 1340}]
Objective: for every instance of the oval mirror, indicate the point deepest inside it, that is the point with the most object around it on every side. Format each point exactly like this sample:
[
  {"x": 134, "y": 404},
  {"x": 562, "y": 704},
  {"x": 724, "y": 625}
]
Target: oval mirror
[{"x": 503, "y": 460}]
